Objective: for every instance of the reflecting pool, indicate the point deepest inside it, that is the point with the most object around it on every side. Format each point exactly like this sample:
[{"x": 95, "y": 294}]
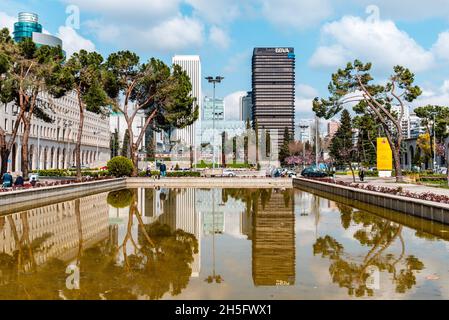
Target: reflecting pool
[{"x": 220, "y": 244}]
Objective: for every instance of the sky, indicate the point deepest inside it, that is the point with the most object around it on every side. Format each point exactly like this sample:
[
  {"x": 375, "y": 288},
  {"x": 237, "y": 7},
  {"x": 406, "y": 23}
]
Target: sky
[{"x": 326, "y": 34}]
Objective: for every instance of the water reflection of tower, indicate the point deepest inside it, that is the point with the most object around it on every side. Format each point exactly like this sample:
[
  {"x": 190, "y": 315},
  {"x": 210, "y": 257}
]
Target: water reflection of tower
[
  {"x": 188, "y": 220},
  {"x": 273, "y": 243}
]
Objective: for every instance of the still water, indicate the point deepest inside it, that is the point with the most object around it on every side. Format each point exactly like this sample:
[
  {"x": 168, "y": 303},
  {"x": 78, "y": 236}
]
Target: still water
[{"x": 220, "y": 244}]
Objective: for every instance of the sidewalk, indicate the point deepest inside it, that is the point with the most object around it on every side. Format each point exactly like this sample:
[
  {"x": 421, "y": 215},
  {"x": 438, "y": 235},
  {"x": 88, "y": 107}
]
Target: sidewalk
[{"x": 391, "y": 183}]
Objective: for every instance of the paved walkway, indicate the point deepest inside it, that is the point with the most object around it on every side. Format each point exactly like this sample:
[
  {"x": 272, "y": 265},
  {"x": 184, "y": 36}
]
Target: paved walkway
[{"x": 391, "y": 183}]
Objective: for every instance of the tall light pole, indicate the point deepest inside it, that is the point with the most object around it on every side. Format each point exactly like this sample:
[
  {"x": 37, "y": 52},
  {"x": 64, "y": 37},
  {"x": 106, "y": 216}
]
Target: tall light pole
[
  {"x": 434, "y": 145},
  {"x": 214, "y": 81},
  {"x": 317, "y": 137}
]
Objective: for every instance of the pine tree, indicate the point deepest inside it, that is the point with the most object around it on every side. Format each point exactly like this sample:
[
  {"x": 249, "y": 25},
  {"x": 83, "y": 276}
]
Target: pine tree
[
  {"x": 342, "y": 149},
  {"x": 115, "y": 145},
  {"x": 125, "y": 146},
  {"x": 284, "y": 152}
]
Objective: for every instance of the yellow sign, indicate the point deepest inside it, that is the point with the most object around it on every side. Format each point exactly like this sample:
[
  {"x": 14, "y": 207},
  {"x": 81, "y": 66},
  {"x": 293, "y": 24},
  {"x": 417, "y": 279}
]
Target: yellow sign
[{"x": 384, "y": 155}]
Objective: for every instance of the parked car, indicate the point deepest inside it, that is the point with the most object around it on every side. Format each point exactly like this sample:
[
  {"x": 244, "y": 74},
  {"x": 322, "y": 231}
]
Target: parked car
[
  {"x": 228, "y": 173},
  {"x": 311, "y": 173}
]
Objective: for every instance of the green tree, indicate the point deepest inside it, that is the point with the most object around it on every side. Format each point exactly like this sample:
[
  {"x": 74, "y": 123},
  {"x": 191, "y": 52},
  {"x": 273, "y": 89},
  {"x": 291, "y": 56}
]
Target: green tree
[
  {"x": 353, "y": 85},
  {"x": 284, "y": 152},
  {"x": 246, "y": 141},
  {"x": 342, "y": 148},
  {"x": 6, "y": 96},
  {"x": 436, "y": 121},
  {"x": 151, "y": 88},
  {"x": 125, "y": 145},
  {"x": 115, "y": 144},
  {"x": 32, "y": 70},
  {"x": 82, "y": 73},
  {"x": 268, "y": 143},
  {"x": 366, "y": 143}
]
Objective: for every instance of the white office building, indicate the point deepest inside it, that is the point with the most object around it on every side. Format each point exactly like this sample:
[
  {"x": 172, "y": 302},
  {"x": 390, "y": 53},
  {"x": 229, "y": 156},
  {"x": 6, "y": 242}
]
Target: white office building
[
  {"x": 52, "y": 145},
  {"x": 192, "y": 65}
]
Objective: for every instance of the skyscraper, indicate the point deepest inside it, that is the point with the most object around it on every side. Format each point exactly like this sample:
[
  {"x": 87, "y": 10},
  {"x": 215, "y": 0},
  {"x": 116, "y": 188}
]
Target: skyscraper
[
  {"x": 246, "y": 107},
  {"x": 192, "y": 65},
  {"x": 273, "y": 83}
]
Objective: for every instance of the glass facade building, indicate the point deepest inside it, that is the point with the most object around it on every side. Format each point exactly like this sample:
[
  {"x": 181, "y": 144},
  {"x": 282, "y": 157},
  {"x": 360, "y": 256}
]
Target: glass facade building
[
  {"x": 273, "y": 82},
  {"x": 28, "y": 27},
  {"x": 208, "y": 109}
]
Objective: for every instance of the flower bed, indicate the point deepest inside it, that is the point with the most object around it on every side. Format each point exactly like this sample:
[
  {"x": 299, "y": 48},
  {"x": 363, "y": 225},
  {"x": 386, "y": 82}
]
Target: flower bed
[{"x": 399, "y": 191}]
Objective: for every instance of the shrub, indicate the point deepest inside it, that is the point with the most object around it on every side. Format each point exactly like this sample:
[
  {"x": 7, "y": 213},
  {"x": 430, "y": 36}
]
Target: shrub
[
  {"x": 177, "y": 167},
  {"x": 120, "y": 166},
  {"x": 120, "y": 199}
]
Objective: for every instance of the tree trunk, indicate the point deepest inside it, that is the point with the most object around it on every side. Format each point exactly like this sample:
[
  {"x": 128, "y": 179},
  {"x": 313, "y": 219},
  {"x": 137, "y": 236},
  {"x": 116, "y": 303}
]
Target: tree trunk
[
  {"x": 4, "y": 153},
  {"x": 397, "y": 164},
  {"x": 78, "y": 143},
  {"x": 25, "y": 161},
  {"x": 352, "y": 171},
  {"x": 134, "y": 156},
  {"x": 80, "y": 231}
]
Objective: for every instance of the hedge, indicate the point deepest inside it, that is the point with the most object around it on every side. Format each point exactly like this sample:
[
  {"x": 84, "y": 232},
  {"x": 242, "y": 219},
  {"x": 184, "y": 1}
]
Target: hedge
[{"x": 173, "y": 174}]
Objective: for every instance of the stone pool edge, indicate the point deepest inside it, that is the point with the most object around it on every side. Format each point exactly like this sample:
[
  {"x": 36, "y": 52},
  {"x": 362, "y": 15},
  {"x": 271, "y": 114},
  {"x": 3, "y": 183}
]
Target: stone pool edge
[
  {"x": 19, "y": 200},
  {"x": 428, "y": 210}
]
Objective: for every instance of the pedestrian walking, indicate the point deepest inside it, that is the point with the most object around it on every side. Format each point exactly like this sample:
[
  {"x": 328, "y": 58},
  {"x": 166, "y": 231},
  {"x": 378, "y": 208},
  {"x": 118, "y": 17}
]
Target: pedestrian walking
[
  {"x": 163, "y": 169},
  {"x": 362, "y": 174}
]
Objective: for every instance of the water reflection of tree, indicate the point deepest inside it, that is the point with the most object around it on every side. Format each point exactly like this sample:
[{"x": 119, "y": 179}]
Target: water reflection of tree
[
  {"x": 377, "y": 234},
  {"x": 159, "y": 263},
  {"x": 17, "y": 270}
]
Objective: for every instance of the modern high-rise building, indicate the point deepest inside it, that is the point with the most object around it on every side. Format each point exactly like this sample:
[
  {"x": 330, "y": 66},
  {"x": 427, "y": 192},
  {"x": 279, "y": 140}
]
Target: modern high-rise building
[
  {"x": 273, "y": 83},
  {"x": 28, "y": 27},
  {"x": 209, "y": 109},
  {"x": 246, "y": 107},
  {"x": 192, "y": 65}
]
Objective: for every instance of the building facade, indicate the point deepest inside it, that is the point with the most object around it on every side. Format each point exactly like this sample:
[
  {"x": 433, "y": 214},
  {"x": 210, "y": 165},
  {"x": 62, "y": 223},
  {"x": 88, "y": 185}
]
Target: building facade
[
  {"x": 52, "y": 145},
  {"x": 246, "y": 107},
  {"x": 192, "y": 65},
  {"x": 209, "y": 109},
  {"x": 273, "y": 83},
  {"x": 332, "y": 128}
]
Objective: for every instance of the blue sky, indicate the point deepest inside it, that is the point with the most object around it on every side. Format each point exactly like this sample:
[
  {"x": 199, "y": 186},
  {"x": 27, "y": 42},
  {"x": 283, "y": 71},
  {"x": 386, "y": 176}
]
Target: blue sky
[{"x": 325, "y": 34}]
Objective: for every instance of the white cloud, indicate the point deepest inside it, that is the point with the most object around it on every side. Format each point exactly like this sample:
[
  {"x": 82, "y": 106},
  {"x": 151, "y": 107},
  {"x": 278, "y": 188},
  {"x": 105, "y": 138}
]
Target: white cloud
[
  {"x": 380, "y": 42},
  {"x": 303, "y": 105},
  {"x": 73, "y": 42},
  {"x": 306, "y": 91},
  {"x": 441, "y": 47},
  {"x": 438, "y": 96},
  {"x": 232, "y": 105},
  {"x": 219, "y": 37},
  {"x": 216, "y": 11},
  {"x": 7, "y": 21},
  {"x": 148, "y": 11},
  {"x": 297, "y": 14},
  {"x": 410, "y": 10},
  {"x": 173, "y": 34}
]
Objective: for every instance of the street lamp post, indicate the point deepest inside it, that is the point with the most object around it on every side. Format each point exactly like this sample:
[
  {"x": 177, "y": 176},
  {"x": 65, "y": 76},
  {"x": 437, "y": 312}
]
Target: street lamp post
[
  {"x": 434, "y": 145},
  {"x": 214, "y": 81}
]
